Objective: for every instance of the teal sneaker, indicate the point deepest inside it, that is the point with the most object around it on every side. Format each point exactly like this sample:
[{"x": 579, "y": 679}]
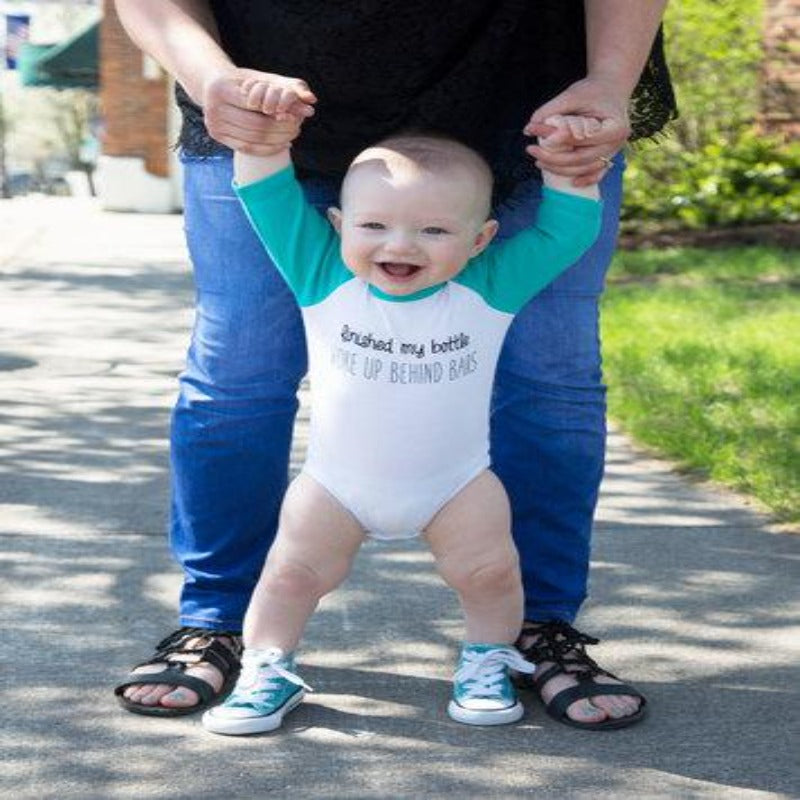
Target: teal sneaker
[
  {"x": 266, "y": 691},
  {"x": 482, "y": 689}
]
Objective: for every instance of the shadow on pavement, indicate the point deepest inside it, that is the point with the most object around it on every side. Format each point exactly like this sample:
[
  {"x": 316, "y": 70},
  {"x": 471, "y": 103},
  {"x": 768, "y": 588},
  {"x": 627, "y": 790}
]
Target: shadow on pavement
[
  {"x": 696, "y": 640},
  {"x": 697, "y": 602}
]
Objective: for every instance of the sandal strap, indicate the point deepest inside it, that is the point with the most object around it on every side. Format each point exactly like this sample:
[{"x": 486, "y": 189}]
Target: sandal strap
[
  {"x": 171, "y": 675},
  {"x": 559, "y": 642},
  {"x": 175, "y": 652},
  {"x": 558, "y": 705}
]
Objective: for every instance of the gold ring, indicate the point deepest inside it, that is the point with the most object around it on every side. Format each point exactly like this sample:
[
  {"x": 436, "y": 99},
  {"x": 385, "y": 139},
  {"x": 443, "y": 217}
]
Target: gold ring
[{"x": 607, "y": 162}]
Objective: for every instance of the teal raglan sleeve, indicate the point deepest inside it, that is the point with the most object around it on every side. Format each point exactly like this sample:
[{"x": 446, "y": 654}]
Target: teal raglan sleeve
[
  {"x": 300, "y": 241},
  {"x": 511, "y": 272}
]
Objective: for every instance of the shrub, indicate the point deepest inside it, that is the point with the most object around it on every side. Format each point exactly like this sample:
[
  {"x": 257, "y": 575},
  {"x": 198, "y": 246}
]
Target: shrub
[
  {"x": 749, "y": 181},
  {"x": 712, "y": 168}
]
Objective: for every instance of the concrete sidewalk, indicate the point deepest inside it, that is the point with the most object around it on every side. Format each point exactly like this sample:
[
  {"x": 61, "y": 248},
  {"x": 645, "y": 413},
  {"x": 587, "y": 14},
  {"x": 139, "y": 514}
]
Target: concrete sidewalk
[{"x": 696, "y": 599}]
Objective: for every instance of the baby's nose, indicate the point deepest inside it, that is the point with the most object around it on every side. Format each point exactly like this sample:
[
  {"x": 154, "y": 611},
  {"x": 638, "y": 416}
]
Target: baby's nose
[{"x": 399, "y": 242}]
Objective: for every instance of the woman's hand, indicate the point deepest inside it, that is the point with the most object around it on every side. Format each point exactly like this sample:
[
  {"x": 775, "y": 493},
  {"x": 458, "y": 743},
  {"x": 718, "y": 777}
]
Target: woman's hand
[
  {"x": 584, "y": 159},
  {"x": 234, "y": 103}
]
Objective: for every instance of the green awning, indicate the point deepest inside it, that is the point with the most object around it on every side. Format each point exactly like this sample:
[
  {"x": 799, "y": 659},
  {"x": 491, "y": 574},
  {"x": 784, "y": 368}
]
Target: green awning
[{"x": 69, "y": 64}]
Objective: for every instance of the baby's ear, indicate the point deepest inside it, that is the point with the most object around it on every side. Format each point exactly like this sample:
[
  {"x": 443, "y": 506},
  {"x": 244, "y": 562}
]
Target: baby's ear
[
  {"x": 484, "y": 236},
  {"x": 335, "y": 218}
]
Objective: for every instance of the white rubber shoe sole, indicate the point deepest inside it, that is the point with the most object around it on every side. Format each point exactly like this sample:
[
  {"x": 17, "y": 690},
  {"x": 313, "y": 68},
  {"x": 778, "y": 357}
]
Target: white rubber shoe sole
[
  {"x": 471, "y": 716},
  {"x": 242, "y": 726}
]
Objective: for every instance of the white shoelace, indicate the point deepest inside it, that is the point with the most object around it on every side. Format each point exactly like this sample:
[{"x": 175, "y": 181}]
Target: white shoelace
[
  {"x": 261, "y": 667},
  {"x": 487, "y": 670}
]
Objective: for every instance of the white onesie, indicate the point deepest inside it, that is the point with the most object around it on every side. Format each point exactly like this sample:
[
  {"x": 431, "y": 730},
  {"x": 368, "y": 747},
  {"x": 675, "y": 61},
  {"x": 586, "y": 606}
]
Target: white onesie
[{"x": 401, "y": 386}]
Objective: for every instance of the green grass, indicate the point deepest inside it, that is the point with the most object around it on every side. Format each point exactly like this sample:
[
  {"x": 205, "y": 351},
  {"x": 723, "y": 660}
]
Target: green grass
[{"x": 702, "y": 359}]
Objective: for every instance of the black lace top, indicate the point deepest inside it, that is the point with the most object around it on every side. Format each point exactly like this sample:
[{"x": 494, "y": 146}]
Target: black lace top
[{"x": 475, "y": 69}]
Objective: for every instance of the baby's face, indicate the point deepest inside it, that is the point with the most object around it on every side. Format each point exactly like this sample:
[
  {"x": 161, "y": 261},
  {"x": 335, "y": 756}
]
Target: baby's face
[{"x": 404, "y": 230}]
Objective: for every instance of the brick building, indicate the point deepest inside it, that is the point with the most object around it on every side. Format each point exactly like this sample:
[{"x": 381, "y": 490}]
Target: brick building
[
  {"x": 780, "y": 84},
  {"x": 138, "y": 170}
]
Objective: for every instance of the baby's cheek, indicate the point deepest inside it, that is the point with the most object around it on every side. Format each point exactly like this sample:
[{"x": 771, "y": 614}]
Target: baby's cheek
[{"x": 355, "y": 259}]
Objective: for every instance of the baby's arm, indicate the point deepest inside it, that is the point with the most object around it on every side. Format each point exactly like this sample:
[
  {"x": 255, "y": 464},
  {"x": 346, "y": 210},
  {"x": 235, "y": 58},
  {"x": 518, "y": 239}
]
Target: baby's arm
[
  {"x": 288, "y": 101},
  {"x": 301, "y": 243},
  {"x": 569, "y": 127},
  {"x": 567, "y": 223}
]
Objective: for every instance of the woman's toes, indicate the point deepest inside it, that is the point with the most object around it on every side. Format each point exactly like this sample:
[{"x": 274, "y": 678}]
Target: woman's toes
[
  {"x": 584, "y": 711},
  {"x": 172, "y": 696},
  {"x": 137, "y": 694},
  {"x": 147, "y": 695},
  {"x": 617, "y": 706},
  {"x": 180, "y": 698},
  {"x": 168, "y": 696}
]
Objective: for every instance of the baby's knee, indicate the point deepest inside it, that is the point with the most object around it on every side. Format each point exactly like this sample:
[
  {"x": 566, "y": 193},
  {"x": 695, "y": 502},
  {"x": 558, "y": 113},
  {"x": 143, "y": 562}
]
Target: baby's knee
[
  {"x": 293, "y": 579},
  {"x": 499, "y": 576}
]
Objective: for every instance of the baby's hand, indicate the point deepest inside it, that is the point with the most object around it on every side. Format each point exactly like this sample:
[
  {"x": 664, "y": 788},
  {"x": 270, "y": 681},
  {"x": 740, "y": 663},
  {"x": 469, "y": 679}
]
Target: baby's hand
[
  {"x": 279, "y": 97},
  {"x": 569, "y": 129},
  {"x": 570, "y": 133},
  {"x": 280, "y": 134}
]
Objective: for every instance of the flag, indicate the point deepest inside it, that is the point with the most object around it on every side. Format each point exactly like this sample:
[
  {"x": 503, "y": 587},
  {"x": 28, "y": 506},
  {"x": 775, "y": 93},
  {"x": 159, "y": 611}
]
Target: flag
[{"x": 17, "y": 31}]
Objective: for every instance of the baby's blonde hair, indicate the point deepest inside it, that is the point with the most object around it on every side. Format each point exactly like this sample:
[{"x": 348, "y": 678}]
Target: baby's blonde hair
[{"x": 433, "y": 153}]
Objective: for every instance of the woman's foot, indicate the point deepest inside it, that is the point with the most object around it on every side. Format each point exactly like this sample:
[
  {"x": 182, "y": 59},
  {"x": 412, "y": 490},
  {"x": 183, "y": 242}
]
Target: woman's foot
[
  {"x": 568, "y": 680},
  {"x": 189, "y": 670}
]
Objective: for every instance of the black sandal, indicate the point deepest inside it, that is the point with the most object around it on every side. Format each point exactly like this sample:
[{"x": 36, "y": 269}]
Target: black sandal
[
  {"x": 176, "y": 656},
  {"x": 560, "y": 643}
]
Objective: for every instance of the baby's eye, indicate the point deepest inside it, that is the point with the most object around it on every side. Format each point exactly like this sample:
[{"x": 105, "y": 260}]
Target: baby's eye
[
  {"x": 434, "y": 230},
  {"x": 372, "y": 226}
]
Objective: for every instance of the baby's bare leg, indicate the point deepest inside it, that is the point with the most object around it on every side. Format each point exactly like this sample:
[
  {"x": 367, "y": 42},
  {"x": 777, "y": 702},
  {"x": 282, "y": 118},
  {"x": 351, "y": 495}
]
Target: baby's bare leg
[
  {"x": 471, "y": 540},
  {"x": 316, "y": 542}
]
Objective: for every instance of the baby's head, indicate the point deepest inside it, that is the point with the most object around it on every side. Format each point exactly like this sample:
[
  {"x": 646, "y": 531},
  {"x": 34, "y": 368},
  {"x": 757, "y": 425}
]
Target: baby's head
[{"x": 414, "y": 210}]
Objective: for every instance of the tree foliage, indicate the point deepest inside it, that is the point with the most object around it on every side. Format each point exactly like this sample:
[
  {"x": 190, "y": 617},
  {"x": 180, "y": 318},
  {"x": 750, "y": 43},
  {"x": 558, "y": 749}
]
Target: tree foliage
[
  {"x": 714, "y": 51},
  {"x": 713, "y": 167}
]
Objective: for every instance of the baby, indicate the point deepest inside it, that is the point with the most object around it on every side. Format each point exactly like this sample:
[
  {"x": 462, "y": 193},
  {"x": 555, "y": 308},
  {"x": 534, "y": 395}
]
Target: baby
[{"x": 405, "y": 301}]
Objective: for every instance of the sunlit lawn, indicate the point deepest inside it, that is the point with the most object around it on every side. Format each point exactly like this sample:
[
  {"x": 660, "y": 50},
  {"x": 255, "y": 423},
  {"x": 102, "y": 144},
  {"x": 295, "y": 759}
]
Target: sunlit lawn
[{"x": 702, "y": 359}]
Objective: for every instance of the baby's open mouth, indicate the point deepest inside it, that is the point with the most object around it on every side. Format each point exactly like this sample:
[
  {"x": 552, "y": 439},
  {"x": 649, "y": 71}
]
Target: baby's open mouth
[{"x": 399, "y": 270}]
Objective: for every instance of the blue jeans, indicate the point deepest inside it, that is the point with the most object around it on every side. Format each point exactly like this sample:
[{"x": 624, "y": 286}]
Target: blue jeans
[{"x": 232, "y": 424}]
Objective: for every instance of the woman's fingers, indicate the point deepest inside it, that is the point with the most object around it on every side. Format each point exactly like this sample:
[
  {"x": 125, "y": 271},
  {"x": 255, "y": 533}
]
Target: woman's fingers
[{"x": 573, "y": 158}]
